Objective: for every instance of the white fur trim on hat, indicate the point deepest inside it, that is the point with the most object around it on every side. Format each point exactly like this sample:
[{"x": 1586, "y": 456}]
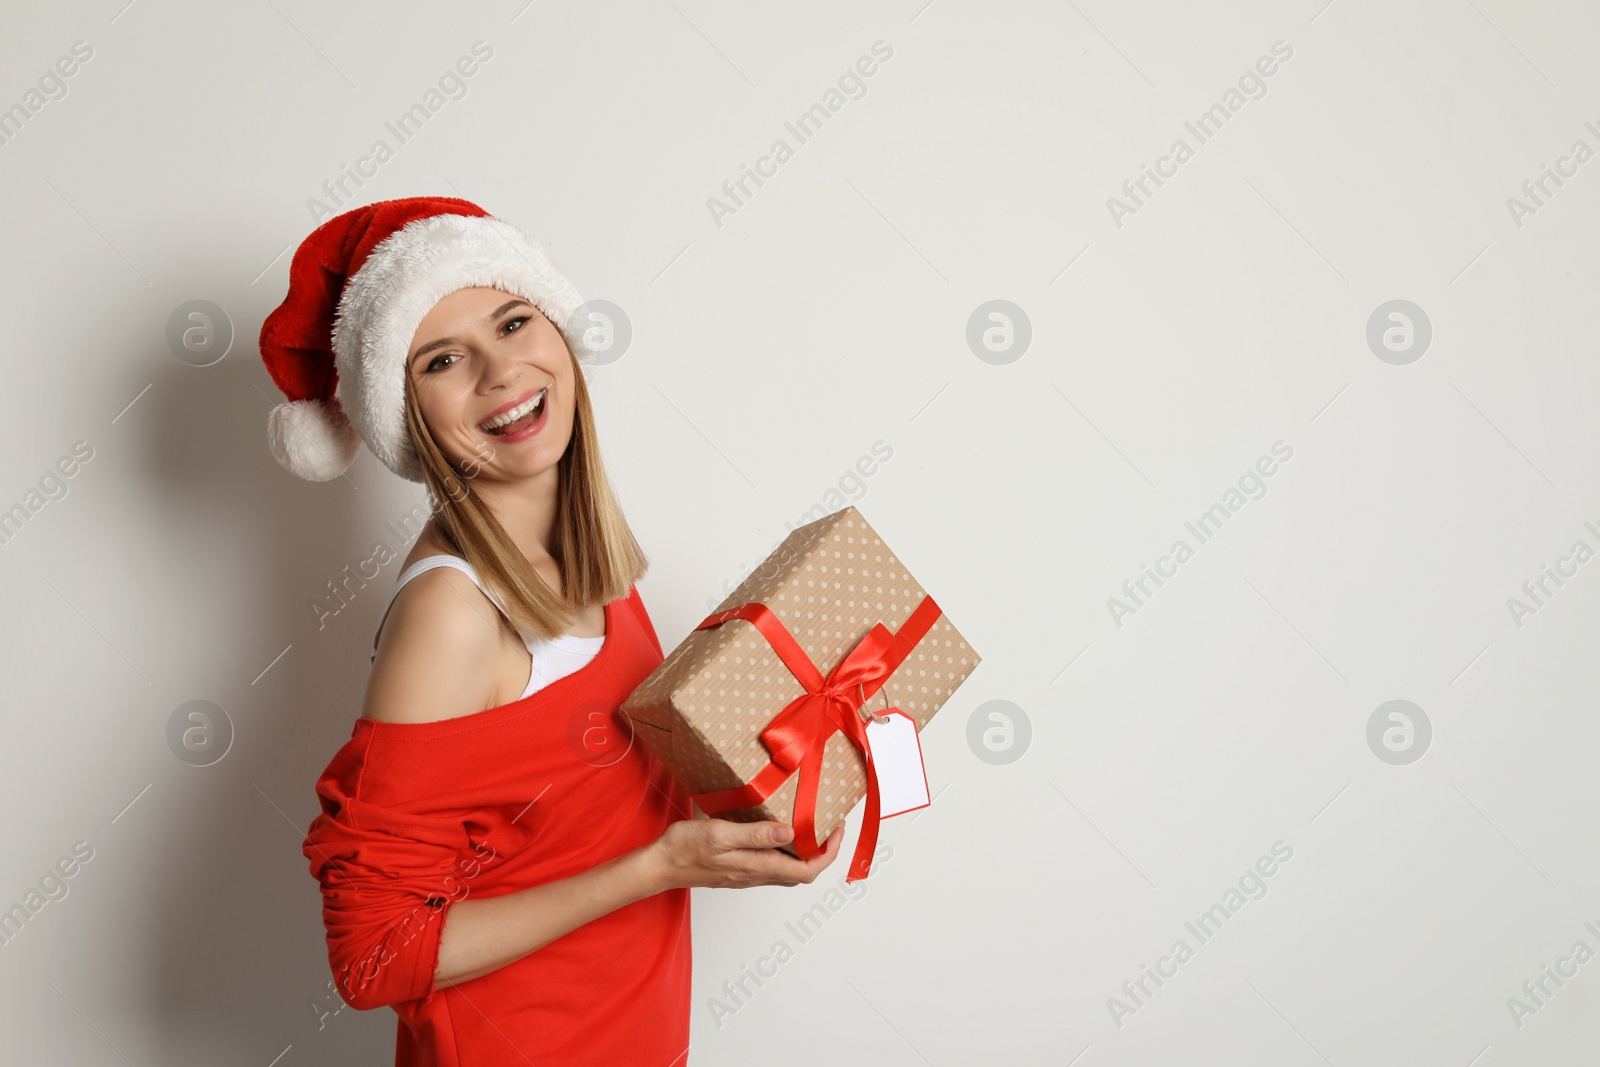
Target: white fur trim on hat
[
  {"x": 312, "y": 439},
  {"x": 406, "y": 274}
]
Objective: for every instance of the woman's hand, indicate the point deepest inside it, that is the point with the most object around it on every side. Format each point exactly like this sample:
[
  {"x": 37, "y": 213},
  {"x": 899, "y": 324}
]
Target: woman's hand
[
  {"x": 483, "y": 934},
  {"x": 719, "y": 854}
]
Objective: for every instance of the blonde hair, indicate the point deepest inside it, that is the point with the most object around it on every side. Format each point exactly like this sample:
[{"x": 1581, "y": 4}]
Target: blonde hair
[{"x": 594, "y": 548}]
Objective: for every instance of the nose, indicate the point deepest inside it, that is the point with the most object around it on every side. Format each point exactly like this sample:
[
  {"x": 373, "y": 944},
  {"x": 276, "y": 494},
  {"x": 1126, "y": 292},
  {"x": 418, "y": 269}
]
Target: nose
[{"x": 500, "y": 371}]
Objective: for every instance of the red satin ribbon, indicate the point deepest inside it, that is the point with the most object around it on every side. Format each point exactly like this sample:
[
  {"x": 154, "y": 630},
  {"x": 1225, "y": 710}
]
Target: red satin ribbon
[{"x": 797, "y": 735}]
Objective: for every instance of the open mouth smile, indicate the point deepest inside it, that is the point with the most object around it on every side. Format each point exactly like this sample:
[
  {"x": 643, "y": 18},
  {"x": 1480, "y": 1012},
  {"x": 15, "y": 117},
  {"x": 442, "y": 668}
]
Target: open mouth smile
[{"x": 518, "y": 420}]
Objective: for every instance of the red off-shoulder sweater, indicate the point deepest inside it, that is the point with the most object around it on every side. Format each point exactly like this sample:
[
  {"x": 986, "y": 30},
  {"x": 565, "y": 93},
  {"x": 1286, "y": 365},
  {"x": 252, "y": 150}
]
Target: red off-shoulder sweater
[{"x": 417, "y": 816}]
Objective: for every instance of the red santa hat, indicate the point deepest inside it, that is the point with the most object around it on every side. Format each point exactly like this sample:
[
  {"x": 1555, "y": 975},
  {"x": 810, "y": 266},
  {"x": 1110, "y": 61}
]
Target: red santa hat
[{"x": 358, "y": 287}]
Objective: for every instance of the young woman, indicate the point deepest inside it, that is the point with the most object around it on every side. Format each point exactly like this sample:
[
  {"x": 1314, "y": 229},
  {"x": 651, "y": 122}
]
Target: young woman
[{"x": 499, "y": 861}]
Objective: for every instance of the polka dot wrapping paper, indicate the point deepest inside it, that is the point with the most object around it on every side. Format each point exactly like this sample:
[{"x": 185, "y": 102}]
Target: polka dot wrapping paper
[{"x": 703, "y": 710}]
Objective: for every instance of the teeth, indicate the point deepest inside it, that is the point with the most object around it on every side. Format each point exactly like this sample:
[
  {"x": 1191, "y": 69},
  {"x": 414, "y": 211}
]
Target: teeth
[{"x": 515, "y": 413}]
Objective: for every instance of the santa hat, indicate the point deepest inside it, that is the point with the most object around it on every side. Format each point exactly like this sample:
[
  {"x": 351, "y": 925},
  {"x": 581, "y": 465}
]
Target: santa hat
[{"x": 358, "y": 287}]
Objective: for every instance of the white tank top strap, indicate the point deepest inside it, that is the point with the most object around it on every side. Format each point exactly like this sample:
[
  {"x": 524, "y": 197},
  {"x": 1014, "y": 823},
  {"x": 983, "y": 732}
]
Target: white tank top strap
[
  {"x": 551, "y": 659},
  {"x": 428, "y": 563}
]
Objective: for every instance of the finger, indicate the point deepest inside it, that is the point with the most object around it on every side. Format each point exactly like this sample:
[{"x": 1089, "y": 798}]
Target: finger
[
  {"x": 752, "y": 835},
  {"x": 708, "y": 830},
  {"x": 777, "y": 868},
  {"x": 829, "y": 853},
  {"x": 769, "y": 864}
]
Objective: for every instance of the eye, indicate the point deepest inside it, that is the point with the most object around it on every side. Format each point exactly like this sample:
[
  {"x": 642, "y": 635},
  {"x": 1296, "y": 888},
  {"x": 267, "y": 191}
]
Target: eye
[
  {"x": 434, "y": 362},
  {"x": 513, "y": 324}
]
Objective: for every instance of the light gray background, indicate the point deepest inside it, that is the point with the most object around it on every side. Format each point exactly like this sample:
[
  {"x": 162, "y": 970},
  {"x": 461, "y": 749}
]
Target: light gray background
[{"x": 829, "y": 313}]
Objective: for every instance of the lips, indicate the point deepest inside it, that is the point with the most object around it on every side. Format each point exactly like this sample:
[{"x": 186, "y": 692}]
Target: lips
[{"x": 526, "y": 404}]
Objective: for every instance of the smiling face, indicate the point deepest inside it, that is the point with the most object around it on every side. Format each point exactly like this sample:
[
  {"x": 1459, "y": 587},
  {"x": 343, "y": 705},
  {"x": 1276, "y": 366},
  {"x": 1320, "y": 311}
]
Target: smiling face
[{"x": 494, "y": 383}]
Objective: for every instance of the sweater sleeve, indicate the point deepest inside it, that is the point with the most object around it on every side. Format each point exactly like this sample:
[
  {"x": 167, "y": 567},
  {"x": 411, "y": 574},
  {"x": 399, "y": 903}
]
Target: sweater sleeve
[{"x": 388, "y": 878}]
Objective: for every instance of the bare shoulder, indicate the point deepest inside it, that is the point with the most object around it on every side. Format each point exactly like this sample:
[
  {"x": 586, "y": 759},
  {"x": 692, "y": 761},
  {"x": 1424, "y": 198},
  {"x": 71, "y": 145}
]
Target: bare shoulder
[{"x": 436, "y": 651}]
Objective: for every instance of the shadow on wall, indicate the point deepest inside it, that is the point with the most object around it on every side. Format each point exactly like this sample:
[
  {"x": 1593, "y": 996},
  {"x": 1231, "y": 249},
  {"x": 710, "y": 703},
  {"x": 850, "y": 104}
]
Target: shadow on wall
[{"x": 239, "y": 962}]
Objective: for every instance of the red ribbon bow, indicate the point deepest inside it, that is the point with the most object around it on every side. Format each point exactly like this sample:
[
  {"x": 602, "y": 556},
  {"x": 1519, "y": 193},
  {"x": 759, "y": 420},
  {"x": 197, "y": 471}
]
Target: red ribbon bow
[{"x": 798, "y": 734}]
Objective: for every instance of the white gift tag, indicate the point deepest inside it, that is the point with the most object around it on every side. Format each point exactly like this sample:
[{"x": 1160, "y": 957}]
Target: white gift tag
[{"x": 897, "y": 756}]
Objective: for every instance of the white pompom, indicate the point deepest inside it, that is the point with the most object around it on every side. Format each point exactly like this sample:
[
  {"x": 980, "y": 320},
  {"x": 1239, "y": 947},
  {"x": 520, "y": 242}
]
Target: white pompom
[{"x": 312, "y": 439}]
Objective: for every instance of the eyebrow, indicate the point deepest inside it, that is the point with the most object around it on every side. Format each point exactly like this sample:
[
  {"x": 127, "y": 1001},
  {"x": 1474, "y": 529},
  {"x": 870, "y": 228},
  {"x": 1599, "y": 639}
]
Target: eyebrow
[{"x": 445, "y": 341}]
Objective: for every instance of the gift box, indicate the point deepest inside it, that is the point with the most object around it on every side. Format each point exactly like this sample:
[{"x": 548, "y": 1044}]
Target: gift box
[{"x": 761, "y": 711}]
